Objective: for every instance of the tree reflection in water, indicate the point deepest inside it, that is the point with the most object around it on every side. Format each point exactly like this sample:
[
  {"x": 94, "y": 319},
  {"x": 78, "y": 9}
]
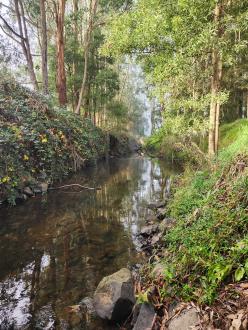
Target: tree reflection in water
[{"x": 53, "y": 254}]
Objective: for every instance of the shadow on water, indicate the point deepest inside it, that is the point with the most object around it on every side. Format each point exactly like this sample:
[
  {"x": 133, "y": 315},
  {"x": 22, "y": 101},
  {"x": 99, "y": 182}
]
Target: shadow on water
[{"x": 54, "y": 250}]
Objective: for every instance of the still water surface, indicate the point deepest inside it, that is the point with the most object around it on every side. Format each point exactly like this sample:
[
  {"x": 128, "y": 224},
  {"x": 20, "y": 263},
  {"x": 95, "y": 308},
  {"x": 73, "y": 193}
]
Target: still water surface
[{"x": 55, "y": 249}]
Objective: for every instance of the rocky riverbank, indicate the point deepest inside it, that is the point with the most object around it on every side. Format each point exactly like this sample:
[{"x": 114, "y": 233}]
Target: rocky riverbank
[{"x": 168, "y": 293}]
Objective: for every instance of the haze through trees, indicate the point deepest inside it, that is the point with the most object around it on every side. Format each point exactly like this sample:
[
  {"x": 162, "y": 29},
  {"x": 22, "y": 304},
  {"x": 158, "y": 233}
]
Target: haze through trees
[{"x": 194, "y": 54}]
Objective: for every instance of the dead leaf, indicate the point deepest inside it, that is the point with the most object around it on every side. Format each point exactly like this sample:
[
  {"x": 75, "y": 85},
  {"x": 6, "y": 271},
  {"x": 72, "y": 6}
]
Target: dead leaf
[
  {"x": 244, "y": 285},
  {"x": 237, "y": 320},
  {"x": 74, "y": 308}
]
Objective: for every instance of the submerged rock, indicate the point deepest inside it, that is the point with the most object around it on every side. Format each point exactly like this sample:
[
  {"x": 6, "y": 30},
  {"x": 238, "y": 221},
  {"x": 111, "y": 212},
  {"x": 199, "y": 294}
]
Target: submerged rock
[
  {"x": 145, "y": 318},
  {"x": 114, "y": 297},
  {"x": 187, "y": 320}
]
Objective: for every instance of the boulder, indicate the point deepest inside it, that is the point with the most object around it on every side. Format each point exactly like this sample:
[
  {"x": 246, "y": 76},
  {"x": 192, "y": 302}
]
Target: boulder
[
  {"x": 88, "y": 305},
  {"x": 156, "y": 205},
  {"x": 145, "y": 318},
  {"x": 114, "y": 297},
  {"x": 156, "y": 238},
  {"x": 37, "y": 190},
  {"x": 148, "y": 230},
  {"x": 187, "y": 320},
  {"x": 161, "y": 213},
  {"x": 28, "y": 191},
  {"x": 166, "y": 224},
  {"x": 43, "y": 187}
]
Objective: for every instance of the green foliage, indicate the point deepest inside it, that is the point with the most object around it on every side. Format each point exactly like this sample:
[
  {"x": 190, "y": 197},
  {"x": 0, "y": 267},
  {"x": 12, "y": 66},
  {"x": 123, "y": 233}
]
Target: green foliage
[
  {"x": 173, "y": 42},
  {"x": 209, "y": 244},
  {"x": 37, "y": 141},
  {"x": 230, "y": 132}
]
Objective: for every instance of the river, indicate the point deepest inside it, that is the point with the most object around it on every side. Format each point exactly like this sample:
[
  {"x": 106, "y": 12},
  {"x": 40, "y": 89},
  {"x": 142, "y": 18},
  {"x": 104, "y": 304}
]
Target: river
[{"x": 54, "y": 249}]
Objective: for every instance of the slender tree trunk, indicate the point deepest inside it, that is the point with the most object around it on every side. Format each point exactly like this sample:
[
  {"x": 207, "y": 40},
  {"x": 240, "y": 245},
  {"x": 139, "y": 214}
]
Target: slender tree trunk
[
  {"x": 93, "y": 9},
  {"x": 60, "y": 74},
  {"x": 74, "y": 63},
  {"x": 24, "y": 40},
  {"x": 44, "y": 46},
  {"x": 215, "y": 89}
]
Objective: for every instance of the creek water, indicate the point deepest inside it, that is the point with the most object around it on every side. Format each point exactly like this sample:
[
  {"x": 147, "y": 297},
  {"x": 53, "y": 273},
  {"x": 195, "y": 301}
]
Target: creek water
[{"x": 55, "y": 249}]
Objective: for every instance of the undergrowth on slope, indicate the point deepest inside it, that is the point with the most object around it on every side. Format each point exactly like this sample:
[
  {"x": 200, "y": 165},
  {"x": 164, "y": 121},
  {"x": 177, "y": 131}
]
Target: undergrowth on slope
[
  {"x": 38, "y": 142},
  {"x": 209, "y": 244}
]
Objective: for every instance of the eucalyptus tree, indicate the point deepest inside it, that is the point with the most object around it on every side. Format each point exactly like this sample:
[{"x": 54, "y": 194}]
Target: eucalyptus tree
[
  {"x": 14, "y": 23},
  {"x": 185, "y": 48}
]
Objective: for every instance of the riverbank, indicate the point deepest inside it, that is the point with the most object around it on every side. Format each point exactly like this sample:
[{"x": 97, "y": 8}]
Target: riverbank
[
  {"x": 40, "y": 145},
  {"x": 201, "y": 249}
]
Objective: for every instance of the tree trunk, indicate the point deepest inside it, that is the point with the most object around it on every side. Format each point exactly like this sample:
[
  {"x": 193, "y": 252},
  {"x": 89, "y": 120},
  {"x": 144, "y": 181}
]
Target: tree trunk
[
  {"x": 24, "y": 40},
  {"x": 44, "y": 46},
  {"x": 60, "y": 46},
  {"x": 214, "y": 115},
  {"x": 93, "y": 9},
  {"x": 74, "y": 64}
]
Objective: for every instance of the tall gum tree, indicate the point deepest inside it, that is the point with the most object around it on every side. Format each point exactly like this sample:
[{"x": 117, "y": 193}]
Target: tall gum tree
[
  {"x": 87, "y": 40},
  {"x": 43, "y": 29},
  {"x": 21, "y": 36},
  {"x": 214, "y": 113},
  {"x": 59, "y": 8}
]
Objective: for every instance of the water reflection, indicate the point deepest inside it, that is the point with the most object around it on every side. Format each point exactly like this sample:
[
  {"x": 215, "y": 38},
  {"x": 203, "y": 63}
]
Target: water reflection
[{"x": 54, "y": 253}]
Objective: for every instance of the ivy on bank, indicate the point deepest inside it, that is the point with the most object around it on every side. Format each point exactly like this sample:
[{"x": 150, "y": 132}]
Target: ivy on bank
[{"x": 38, "y": 142}]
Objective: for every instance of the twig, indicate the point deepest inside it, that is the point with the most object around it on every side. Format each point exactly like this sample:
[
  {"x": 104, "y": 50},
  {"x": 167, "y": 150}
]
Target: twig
[{"x": 74, "y": 185}]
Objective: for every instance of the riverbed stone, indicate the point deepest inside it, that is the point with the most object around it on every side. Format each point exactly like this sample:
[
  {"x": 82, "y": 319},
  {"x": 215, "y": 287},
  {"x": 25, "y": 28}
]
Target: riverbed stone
[
  {"x": 156, "y": 205},
  {"x": 28, "y": 191},
  {"x": 166, "y": 224},
  {"x": 114, "y": 297},
  {"x": 145, "y": 318},
  {"x": 188, "y": 319},
  {"x": 161, "y": 213},
  {"x": 148, "y": 230},
  {"x": 88, "y": 305},
  {"x": 43, "y": 187},
  {"x": 156, "y": 238}
]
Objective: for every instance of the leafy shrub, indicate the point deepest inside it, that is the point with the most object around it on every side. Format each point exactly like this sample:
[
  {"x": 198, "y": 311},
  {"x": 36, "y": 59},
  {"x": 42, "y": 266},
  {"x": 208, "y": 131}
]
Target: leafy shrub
[{"x": 40, "y": 142}]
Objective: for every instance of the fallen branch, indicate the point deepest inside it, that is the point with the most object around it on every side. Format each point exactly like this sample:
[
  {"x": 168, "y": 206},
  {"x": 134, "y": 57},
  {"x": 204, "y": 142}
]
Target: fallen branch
[{"x": 74, "y": 185}]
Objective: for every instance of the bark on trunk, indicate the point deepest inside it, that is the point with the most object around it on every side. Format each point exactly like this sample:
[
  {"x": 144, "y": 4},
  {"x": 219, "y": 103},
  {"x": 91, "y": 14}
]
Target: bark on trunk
[
  {"x": 215, "y": 89},
  {"x": 44, "y": 46},
  {"x": 60, "y": 74},
  {"x": 93, "y": 9},
  {"x": 24, "y": 41},
  {"x": 74, "y": 64}
]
